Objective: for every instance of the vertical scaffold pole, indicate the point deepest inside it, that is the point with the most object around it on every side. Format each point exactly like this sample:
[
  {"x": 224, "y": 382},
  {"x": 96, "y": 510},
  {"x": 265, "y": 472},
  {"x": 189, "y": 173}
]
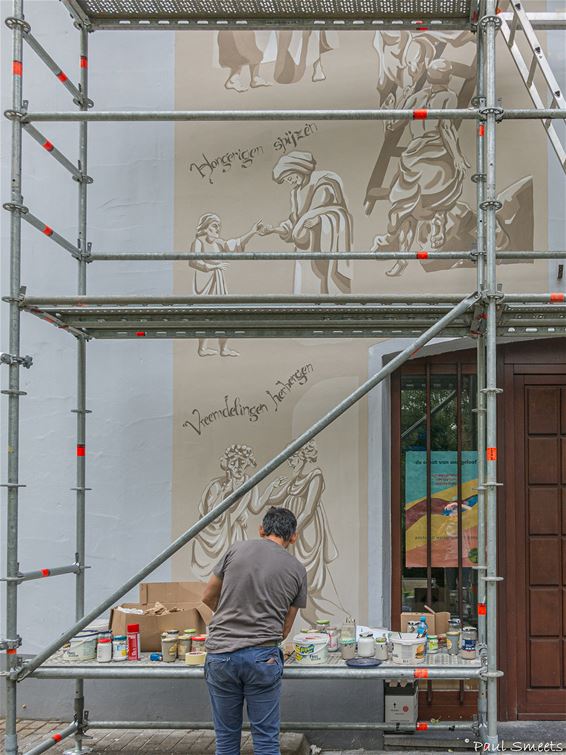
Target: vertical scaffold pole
[
  {"x": 81, "y": 410},
  {"x": 12, "y": 566},
  {"x": 490, "y": 205},
  {"x": 480, "y": 379}
]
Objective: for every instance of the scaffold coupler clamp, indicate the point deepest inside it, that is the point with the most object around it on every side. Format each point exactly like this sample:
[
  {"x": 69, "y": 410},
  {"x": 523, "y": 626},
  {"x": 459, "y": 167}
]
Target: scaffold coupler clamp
[
  {"x": 11, "y": 360},
  {"x": 11, "y": 646}
]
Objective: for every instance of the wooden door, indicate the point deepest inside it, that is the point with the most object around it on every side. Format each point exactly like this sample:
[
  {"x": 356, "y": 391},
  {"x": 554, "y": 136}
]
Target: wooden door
[{"x": 539, "y": 582}]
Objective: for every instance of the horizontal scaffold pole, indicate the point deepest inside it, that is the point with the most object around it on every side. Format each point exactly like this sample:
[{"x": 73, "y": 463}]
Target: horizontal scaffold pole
[
  {"x": 284, "y": 115},
  {"x": 293, "y": 725},
  {"x": 182, "y": 671},
  {"x": 254, "y": 480},
  {"x": 373, "y": 256},
  {"x": 29, "y": 302}
]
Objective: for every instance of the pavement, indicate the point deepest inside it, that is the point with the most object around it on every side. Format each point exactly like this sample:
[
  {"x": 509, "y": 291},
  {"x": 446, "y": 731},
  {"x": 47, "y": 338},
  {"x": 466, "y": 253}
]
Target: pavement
[{"x": 515, "y": 736}]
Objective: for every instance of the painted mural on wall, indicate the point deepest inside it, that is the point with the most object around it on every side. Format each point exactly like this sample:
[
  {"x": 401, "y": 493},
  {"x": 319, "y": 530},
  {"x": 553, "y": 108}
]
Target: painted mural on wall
[
  {"x": 302, "y": 492},
  {"x": 330, "y": 187}
]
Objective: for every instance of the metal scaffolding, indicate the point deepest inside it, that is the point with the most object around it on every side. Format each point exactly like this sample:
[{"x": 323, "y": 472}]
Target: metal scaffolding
[{"x": 486, "y": 313}]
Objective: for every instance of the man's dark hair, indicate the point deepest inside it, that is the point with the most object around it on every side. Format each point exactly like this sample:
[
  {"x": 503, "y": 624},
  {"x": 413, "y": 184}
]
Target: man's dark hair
[{"x": 280, "y": 522}]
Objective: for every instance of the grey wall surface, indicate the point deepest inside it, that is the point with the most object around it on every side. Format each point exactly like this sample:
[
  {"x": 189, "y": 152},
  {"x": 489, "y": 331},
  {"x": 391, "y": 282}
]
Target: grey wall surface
[{"x": 128, "y": 383}]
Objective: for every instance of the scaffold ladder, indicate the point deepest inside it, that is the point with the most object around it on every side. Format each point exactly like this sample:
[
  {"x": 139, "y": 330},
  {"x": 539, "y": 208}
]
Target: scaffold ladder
[{"x": 539, "y": 64}]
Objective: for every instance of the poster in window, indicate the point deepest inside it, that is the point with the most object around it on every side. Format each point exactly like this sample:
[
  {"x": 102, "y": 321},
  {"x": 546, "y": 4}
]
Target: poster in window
[{"x": 444, "y": 508}]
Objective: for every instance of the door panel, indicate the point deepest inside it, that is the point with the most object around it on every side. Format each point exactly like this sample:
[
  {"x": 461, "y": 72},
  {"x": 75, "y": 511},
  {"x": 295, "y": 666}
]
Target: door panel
[{"x": 540, "y": 544}]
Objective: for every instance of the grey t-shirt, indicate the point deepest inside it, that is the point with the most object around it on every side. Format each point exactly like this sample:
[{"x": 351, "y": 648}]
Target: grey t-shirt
[{"x": 260, "y": 582}]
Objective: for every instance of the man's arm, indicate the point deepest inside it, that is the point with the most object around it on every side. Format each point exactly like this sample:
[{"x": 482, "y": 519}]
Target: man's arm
[
  {"x": 289, "y": 621},
  {"x": 211, "y": 594}
]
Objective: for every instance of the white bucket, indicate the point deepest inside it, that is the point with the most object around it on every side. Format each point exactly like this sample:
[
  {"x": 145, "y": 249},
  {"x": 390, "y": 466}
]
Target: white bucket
[
  {"x": 408, "y": 649},
  {"x": 311, "y": 649},
  {"x": 82, "y": 647}
]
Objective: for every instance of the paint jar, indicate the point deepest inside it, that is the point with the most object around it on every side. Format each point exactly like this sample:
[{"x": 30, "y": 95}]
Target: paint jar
[
  {"x": 381, "y": 651},
  {"x": 198, "y": 643},
  {"x": 104, "y": 650},
  {"x": 366, "y": 645},
  {"x": 468, "y": 651},
  {"x": 347, "y": 648},
  {"x": 453, "y": 641},
  {"x": 184, "y": 645},
  {"x": 456, "y": 625},
  {"x": 120, "y": 648},
  {"x": 82, "y": 647},
  {"x": 311, "y": 649},
  {"x": 348, "y": 630},
  {"x": 133, "y": 638},
  {"x": 169, "y": 645},
  {"x": 333, "y": 639},
  {"x": 321, "y": 624},
  {"x": 442, "y": 642},
  {"x": 432, "y": 644}
]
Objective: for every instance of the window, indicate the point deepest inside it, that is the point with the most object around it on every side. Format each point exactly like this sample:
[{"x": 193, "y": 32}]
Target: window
[{"x": 436, "y": 506}]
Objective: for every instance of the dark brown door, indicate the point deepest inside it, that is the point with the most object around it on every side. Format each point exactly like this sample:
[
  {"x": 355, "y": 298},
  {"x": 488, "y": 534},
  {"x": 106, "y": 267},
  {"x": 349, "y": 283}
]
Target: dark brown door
[{"x": 540, "y": 544}]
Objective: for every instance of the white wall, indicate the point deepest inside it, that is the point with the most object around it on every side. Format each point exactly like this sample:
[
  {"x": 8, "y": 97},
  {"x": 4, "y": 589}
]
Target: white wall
[{"x": 129, "y": 383}]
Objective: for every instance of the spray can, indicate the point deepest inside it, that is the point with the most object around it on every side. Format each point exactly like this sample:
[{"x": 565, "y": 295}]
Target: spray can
[{"x": 133, "y": 642}]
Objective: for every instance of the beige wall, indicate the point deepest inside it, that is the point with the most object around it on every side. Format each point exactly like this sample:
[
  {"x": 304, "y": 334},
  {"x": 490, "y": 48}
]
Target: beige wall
[{"x": 243, "y": 195}]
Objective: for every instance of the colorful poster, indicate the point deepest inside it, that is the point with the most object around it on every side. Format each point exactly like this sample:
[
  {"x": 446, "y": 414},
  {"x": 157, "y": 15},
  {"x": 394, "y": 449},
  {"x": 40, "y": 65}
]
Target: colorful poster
[{"x": 444, "y": 508}]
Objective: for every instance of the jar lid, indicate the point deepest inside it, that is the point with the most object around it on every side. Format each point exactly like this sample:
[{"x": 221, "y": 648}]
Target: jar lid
[
  {"x": 104, "y": 639},
  {"x": 120, "y": 637},
  {"x": 348, "y": 641},
  {"x": 323, "y": 622},
  {"x": 133, "y": 627},
  {"x": 366, "y": 634},
  {"x": 190, "y": 631},
  {"x": 433, "y": 637},
  {"x": 200, "y": 637}
]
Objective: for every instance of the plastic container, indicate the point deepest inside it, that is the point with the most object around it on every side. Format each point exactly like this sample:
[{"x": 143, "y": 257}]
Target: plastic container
[
  {"x": 120, "y": 648},
  {"x": 82, "y": 647},
  {"x": 311, "y": 649},
  {"x": 169, "y": 645},
  {"x": 453, "y": 641},
  {"x": 347, "y": 648},
  {"x": 366, "y": 645},
  {"x": 432, "y": 644},
  {"x": 104, "y": 650},
  {"x": 408, "y": 649},
  {"x": 133, "y": 642},
  {"x": 198, "y": 643},
  {"x": 381, "y": 651}
]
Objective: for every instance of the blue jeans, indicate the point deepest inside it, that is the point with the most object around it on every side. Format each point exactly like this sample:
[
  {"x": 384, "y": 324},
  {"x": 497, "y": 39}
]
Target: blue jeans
[{"x": 254, "y": 675}]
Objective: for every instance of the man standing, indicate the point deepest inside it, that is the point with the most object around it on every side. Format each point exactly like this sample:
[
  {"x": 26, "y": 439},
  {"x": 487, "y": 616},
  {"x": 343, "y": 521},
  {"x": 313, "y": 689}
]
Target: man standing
[{"x": 255, "y": 590}]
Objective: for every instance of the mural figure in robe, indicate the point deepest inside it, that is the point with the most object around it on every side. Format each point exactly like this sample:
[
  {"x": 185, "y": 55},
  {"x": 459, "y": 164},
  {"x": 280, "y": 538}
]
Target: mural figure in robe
[
  {"x": 209, "y": 277},
  {"x": 315, "y": 547},
  {"x": 293, "y": 52},
  {"x": 429, "y": 179},
  {"x": 211, "y": 544},
  {"x": 319, "y": 221}
]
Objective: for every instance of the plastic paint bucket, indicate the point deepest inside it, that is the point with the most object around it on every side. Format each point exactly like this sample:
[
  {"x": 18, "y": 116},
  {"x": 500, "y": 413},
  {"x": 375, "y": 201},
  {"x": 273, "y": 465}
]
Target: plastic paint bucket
[
  {"x": 408, "y": 649},
  {"x": 82, "y": 647},
  {"x": 311, "y": 649}
]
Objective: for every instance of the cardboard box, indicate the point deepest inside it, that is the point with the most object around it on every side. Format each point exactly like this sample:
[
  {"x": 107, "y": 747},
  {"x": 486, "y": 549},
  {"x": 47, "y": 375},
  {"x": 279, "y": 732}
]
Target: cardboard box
[
  {"x": 437, "y": 622},
  {"x": 171, "y": 592},
  {"x": 189, "y": 615},
  {"x": 185, "y": 596}
]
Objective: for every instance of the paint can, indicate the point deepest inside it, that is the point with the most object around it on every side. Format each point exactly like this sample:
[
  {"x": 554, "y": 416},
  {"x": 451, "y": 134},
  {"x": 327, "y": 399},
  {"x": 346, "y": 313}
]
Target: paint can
[
  {"x": 469, "y": 647},
  {"x": 169, "y": 647},
  {"x": 432, "y": 644},
  {"x": 82, "y": 647},
  {"x": 348, "y": 648},
  {"x": 120, "y": 648},
  {"x": 453, "y": 641},
  {"x": 311, "y": 649},
  {"x": 408, "y": 649}
]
